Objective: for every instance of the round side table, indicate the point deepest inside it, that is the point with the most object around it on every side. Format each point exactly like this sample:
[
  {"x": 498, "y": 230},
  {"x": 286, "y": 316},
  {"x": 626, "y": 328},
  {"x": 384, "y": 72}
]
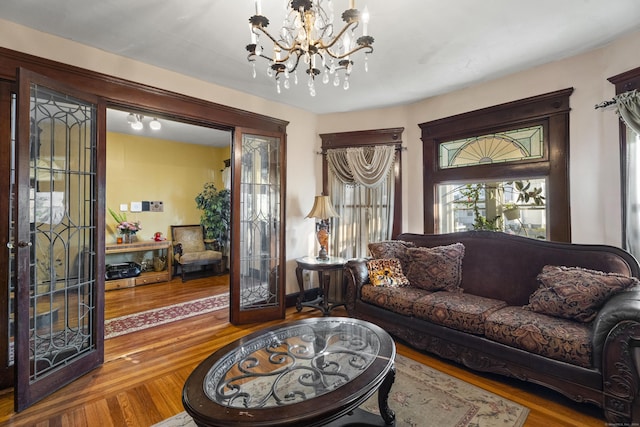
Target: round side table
[{"x": 322, "y": 266}]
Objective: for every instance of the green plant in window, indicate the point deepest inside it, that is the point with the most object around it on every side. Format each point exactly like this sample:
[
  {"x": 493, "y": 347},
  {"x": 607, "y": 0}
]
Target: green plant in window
[
  {"x": 527, "y": 194},
  {"x": 492, "y": 194},
  {"x": 511, "y": 211},
  {"x": 472, "y": 194}
]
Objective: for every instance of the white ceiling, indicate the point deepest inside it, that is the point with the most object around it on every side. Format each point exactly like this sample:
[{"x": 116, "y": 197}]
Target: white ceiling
[
  {"x": 422, "y": 48},
  {"x": 170, "y": 130}
]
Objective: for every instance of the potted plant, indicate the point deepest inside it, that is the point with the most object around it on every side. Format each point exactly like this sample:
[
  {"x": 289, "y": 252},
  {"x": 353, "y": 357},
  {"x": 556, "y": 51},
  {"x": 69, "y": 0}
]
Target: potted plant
[
  {"x": 511, "y": 211},
  {"x": 472, "y": 194},
  {"x": 216, "y": 214},
  {"x": 526, "y": 195}
]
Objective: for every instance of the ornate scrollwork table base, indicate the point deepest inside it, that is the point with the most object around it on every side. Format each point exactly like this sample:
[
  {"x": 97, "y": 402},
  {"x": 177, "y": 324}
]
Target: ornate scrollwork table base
[{"x": 311, "y": 372}]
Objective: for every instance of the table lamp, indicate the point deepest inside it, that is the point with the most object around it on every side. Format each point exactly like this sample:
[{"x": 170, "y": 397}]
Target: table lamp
[{"x": 322, "y": 210}]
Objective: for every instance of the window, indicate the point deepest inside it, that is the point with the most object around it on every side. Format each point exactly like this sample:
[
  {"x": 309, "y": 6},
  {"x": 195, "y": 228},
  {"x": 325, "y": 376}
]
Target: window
[
  {"x": 630, "y": 177},
  {"x": 515, "y": 207},
  {"x": 510, "y": 146},
  {"x": 484, "y": 166},
  {"x": 367, "y": 212}
]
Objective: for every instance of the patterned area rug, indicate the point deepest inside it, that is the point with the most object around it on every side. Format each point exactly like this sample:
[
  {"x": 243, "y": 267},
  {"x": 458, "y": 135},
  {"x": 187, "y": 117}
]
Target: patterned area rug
[
  {"x": 422, "y": 396},
  {"x": 160, "y": 316}
]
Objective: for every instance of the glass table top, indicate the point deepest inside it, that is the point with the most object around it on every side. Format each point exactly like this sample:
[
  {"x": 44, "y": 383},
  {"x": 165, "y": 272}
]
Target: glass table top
[
  {"x": 292, "y": 364},
  {"x": 332, "y": 260}
]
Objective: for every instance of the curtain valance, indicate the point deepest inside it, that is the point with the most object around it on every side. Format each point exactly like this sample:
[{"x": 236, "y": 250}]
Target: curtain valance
[
  {"x": 368, "y": 166},
  {"x": 628, "y": 104}
]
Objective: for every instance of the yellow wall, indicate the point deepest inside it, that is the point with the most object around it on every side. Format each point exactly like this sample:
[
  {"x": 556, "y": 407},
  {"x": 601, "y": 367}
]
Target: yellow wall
[{"x": 150, "y": 169}]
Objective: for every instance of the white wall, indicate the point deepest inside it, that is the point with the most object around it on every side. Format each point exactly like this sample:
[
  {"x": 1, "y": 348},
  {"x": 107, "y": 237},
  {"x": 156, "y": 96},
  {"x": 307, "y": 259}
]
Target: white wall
[{"x": 594, "y": 156}]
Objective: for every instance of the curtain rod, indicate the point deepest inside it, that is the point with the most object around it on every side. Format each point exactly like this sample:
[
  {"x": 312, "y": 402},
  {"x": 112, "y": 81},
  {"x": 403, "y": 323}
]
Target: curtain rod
[
  {"x": 398, "y": 147},
  {"x": 604, "y": 104}
]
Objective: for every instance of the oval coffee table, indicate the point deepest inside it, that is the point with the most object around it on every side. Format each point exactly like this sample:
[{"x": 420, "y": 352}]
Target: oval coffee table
[{"x": 306, "y": 373}]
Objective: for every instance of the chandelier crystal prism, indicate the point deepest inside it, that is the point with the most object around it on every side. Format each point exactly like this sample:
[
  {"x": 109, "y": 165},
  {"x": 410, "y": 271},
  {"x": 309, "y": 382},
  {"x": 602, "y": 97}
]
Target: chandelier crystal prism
[{"x": 308, "y": 40}]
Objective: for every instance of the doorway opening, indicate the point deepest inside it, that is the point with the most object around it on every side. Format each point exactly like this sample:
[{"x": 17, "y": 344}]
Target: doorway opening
[{"x": 155, "y": 168}]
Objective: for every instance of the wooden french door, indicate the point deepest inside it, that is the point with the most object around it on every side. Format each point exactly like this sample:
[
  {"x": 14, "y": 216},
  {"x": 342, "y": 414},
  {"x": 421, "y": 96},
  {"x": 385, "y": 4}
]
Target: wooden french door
[
  {"x": 258, "y": 226},
  {"x": 55, "y": 238}
]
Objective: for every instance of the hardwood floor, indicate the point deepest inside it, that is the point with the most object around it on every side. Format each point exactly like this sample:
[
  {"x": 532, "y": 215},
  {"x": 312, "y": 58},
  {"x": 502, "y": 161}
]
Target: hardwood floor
[
  {"x": 141, "y": 381},
  {"x": 132, "y": 300}
]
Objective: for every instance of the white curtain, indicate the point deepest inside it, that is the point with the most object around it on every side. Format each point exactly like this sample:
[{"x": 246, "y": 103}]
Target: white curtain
[
  {"x": 628, "y": 105},
  {"x": 361, "y": 186}
]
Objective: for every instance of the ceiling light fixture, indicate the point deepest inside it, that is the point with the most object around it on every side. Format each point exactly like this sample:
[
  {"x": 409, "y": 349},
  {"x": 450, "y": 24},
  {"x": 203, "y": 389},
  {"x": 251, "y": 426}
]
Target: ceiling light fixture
[
  {"x": 308, "y": 35},
  {"x": 155, "y": 124},
  {"x": 135, "y": 120},
  {"x": 136, "y": 123}
]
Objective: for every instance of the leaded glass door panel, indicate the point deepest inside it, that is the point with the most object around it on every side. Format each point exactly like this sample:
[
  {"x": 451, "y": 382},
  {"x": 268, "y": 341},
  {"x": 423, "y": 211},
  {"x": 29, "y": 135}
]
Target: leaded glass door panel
[
  {"x": 59, "y": 307},
  {"x": 258, "y": 227},
  {"x": 7, "y": 184}
]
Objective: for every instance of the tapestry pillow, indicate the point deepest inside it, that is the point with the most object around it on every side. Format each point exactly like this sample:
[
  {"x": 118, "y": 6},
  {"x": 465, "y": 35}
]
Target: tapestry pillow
[
  {"x": 575, "y": 293},
  {"x": 386, "y": 272},
  {"x": 438, "y": 268},
  {"x": 389, "y": 249}
]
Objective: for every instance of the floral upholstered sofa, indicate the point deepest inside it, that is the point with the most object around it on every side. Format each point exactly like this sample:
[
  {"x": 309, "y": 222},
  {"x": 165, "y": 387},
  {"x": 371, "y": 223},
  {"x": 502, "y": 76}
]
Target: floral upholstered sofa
[{"x": 566, "y": 316}]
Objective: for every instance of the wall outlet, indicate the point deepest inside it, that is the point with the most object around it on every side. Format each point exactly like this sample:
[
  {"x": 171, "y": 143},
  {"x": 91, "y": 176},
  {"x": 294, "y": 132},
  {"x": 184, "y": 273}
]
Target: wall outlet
[{"x": 156, "y": 206}]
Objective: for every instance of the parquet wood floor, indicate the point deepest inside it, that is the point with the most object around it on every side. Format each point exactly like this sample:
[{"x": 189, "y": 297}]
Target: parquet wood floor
[{"x": 141, "y": 381}]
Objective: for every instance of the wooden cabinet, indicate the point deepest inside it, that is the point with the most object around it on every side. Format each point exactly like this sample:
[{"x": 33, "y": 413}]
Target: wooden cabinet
[{"x": 130, "y": 250}]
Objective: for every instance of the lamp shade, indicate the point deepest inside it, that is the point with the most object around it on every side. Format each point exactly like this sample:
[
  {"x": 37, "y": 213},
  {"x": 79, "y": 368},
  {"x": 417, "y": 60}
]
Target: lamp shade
[{"x": 322, "y": 208}]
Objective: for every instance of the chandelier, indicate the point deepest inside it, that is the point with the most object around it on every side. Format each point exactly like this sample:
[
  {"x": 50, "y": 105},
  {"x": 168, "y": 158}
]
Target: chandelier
[{"x": 308, "y": 37}]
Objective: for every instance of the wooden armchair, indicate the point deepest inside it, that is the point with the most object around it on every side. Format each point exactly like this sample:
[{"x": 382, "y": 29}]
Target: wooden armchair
[{"x": 189, "y": 248}]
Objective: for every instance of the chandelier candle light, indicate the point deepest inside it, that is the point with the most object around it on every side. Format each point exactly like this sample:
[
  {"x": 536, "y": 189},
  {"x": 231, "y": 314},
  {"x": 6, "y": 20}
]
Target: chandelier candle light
[
  {"x": 323, "y": 210},
  {"x": 308, "y": 35}
]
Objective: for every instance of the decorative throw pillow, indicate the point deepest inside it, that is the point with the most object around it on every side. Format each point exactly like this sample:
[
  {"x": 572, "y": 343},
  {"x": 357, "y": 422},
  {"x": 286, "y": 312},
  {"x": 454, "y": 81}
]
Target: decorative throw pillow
[
  {"x": 575, "y": 293},
  {"x": 392, "y": 249},
  {"x": 438, "y": 268},
  {"x": 386, "y": 272}
]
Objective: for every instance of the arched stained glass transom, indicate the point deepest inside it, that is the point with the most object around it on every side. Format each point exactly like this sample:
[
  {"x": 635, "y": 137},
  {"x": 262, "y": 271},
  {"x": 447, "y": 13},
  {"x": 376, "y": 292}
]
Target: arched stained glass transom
[{"x": 509, "y": 146}]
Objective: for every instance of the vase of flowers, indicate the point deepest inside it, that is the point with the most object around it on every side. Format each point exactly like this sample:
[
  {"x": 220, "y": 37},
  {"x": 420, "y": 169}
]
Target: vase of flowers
[{"x": 128, "y": 229}]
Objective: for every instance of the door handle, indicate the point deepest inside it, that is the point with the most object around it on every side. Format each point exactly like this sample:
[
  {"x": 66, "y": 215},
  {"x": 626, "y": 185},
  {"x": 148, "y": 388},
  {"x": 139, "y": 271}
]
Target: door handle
[{"x": 23, "y": 244}]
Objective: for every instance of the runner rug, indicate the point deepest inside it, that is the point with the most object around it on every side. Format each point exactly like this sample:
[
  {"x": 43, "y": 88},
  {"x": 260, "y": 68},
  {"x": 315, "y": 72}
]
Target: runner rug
[
  {"x": 422, "y": 396},
  {"x": 160, "y": 316}
]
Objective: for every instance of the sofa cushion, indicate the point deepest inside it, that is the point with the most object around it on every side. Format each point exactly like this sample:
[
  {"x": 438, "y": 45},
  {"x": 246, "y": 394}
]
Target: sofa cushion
[
  {"x": 437, "y": 268},
  {"x": 392, "y": 249},
  {"x": 464, "y": 312},
  {"x": 398, "y": 300},
  {"x": 575, "y": 293},
  {"x": 548, "y": 336},
  {"x": 190, "y": 238},
  {"x": 386, "y": 272},
  {"x": 199, "y": 257}
]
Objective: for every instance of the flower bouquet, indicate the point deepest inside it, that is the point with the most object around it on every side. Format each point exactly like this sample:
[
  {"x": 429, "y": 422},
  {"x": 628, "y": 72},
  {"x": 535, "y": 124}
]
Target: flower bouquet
[{"x": 124, "y": 227}]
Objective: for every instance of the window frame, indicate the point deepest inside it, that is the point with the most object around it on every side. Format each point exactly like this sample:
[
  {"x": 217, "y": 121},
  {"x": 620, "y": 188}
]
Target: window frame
[
  {"x": 368, "y": 138},
  {"x": 551, "y": 110},
  {"x": 624, "y": 82}
]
